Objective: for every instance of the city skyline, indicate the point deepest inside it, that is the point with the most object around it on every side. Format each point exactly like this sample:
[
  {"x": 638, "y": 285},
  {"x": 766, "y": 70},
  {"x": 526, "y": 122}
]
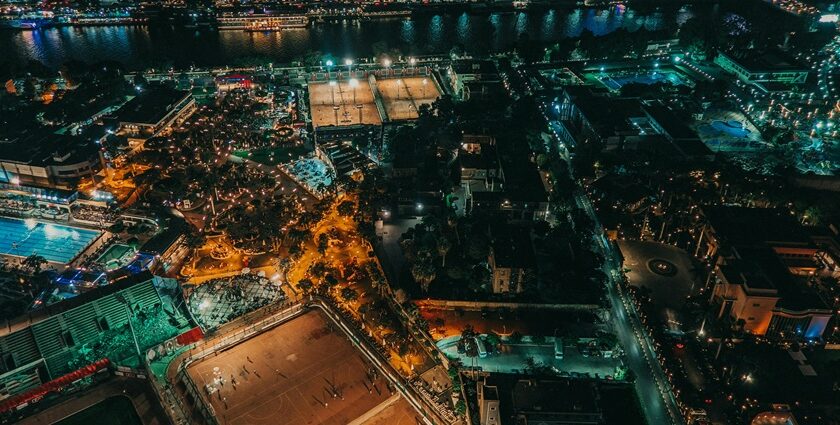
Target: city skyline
[{"x": 419, "y": 213}]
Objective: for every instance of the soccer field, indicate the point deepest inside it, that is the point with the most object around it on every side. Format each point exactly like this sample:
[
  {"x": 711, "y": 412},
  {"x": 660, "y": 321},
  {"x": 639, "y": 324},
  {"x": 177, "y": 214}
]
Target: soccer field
[
  {"x": 302, "y": 372},
  {"x": 342, "y": 103}
]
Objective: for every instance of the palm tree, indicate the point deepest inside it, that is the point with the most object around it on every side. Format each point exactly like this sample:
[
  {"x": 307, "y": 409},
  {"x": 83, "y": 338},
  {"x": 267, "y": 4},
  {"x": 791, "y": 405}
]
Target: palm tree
[
  {"x": 34, "y": 263},
  {"x": 424, "y": 271},
  {"x": 305, "y": 285},
  {"x": 443, "y": 247},
  {"x": 349, "y": 294}
]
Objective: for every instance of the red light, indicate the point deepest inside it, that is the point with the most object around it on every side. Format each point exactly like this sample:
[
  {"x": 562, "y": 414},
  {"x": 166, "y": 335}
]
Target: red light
[
  {"x": 680, "y": 345},
  {"x": 708, "y": 401}
]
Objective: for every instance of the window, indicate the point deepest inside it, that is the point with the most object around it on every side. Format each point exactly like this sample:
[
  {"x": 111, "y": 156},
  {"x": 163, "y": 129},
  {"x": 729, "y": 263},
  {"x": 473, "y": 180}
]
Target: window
[
  {"x": 102, "y": 324},
  {"x": 756, "y": 305},
  {"x": 750, "y": 319},
  {"x": 9, "y": 361},
  {"x": 67, "y": 339}
]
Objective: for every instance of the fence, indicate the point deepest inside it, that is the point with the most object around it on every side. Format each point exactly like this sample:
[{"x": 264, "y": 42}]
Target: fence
[
  {"x": 214, "y": 345},
  {"x": 478, "y": 305}
]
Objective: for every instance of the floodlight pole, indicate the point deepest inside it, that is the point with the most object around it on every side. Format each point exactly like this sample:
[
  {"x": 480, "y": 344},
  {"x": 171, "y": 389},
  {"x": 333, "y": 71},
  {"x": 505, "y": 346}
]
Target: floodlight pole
[{"x": 129, "y": 313}]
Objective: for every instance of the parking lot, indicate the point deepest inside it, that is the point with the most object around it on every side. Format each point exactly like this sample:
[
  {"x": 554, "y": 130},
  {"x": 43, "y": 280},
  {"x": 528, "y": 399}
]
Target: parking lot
[
  {"x": 514, "y": 359},
  {"x": 339, "y": 103},
  {"x": 302, "y": 372}
]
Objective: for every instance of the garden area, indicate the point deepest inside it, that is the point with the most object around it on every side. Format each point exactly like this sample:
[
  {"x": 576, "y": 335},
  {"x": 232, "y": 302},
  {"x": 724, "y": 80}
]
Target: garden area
[{"x": 219, "y": 301}]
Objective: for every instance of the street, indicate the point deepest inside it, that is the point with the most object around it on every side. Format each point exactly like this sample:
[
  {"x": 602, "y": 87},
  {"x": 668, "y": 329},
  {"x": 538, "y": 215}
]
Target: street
[{"x": 654, "y": 392}]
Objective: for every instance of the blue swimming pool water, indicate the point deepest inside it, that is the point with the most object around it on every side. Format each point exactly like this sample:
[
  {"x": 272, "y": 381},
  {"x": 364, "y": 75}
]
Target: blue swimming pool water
[
  {"x": 54, "y": 242},
  {"x": 732, "y": 128}
]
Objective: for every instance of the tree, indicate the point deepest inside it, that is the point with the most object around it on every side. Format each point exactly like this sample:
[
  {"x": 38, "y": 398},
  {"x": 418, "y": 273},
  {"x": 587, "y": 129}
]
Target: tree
[
  {"x": 323, "y": 243},
  {"x": 478, "y": 247},
  {"x": 538, "y": 339},
  {"x": 400, "y": 296},
  {"x": 305, "y": 285},
  {"x": 349, "y": 294},
  {"x": 346, "y": 209},
  {"x": 196, "y": 239},
  {"x": 34, "y": 263},
  {"x": 423, "y": 271},
  {"x": 443, "y": 247},
  {"x": 515, "y": 337},
  {"x": 493, "y": 339}
]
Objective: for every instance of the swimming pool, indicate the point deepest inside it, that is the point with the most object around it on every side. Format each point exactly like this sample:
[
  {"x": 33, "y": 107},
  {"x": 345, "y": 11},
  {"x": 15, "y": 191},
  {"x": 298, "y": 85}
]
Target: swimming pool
[
  {"x": 55, "y": 242},
  {"x": 615, "y": 82}
]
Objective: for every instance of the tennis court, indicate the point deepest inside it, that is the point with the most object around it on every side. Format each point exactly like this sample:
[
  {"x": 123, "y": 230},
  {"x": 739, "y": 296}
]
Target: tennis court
[
  {"x": 345, "y": 102},
  {"x": 402, "y": 97}
]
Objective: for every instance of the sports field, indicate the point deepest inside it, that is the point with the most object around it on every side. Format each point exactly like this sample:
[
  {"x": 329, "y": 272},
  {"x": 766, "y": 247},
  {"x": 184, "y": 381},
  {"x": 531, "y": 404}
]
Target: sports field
[
  {"x": 302, "y": 372},
  {"x": 345, "y": 102},
  {"x": 403, "y": 96}
]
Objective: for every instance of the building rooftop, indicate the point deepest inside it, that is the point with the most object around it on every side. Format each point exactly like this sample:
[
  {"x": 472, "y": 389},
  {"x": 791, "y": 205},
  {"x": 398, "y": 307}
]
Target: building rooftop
[
  {"x": 610, "y": 116},
  {"x": 470, "y": 66},
  {"x": 748, "y": 274},
  {"x": 486, "y": 159},
  {"x": 151, "y": 105},
  {"x": 755, "y": 226},
  {"x": 559, "y": 401},
  {"x": 673, "y": 127},
  {"x": 46, "y": 149},
  {"x": 556, "y": 402},
  {"x": 766, "y": 271},
  {"x": 772, "y": 60}
]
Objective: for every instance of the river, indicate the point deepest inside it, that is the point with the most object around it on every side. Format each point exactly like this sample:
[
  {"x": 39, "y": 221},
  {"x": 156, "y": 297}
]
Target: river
[{"x": 154, "y": 45}]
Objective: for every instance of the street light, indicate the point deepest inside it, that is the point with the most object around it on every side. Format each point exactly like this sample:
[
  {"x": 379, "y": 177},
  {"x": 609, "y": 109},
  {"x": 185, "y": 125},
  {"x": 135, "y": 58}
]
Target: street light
[
  {"x": 349, "y": 63},
  {"x": 332, "y": 90},
  {"x": 353, "y": 84}
]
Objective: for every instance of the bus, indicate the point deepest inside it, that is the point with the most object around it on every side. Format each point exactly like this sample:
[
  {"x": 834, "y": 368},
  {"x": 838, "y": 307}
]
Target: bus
[
  {"x": 558, "y": 348},
  {"x": 482, "y": 350}
]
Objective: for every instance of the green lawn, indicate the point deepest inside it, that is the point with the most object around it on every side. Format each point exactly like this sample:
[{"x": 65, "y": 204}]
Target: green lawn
[{"x": 116, "y": 410}]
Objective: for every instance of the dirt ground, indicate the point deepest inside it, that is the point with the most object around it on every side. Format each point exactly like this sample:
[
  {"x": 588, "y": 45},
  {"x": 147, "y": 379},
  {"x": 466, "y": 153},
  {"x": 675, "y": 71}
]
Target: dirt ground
[
  {"x": 302, "y": 372},
  {"x": 341, "y": 104},
  {"x": 403, "y": 96}
]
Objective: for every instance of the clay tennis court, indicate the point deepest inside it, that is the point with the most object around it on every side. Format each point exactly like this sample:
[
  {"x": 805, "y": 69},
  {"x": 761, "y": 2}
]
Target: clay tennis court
[
  {"x": 302, "y": 372},
  {"x": 334, "y": 103},
  {"x": 403, "y": 96}
]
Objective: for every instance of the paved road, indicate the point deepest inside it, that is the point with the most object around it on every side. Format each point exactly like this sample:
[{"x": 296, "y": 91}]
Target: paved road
[{"x": 654, "y": 391}]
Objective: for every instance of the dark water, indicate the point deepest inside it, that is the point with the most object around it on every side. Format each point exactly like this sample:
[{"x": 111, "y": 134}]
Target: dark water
[{"x": 478, "y": 33}]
